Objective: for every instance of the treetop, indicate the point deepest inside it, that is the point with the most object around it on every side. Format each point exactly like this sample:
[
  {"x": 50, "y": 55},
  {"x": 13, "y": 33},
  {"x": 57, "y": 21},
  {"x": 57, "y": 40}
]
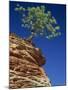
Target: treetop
[{"x": 39, "y": 21}]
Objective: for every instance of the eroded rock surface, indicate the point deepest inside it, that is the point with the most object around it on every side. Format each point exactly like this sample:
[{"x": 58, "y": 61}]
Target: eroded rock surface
[{"x": 26, "y": 65}]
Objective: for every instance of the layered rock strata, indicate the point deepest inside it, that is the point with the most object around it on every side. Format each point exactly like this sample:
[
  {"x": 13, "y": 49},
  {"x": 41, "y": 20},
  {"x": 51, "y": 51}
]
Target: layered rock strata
[{"x": 26, "y": 65}]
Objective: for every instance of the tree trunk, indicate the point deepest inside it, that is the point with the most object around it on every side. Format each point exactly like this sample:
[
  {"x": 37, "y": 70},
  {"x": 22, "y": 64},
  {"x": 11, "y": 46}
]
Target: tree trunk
[{"x": 31, "y": 37}]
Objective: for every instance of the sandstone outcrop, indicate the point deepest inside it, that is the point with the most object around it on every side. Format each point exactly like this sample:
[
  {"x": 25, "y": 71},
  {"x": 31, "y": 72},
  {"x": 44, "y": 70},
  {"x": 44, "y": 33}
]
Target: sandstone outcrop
[{"x": 26, "y": 65}]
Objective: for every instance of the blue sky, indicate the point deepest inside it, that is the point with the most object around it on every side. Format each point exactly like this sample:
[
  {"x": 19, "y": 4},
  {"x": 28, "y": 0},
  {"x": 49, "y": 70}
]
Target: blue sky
[{"x": 54, "y": 50}]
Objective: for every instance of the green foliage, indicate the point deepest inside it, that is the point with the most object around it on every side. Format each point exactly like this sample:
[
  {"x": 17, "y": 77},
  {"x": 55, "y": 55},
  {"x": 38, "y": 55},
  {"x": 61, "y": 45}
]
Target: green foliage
[{"x": 39, "y": 21}]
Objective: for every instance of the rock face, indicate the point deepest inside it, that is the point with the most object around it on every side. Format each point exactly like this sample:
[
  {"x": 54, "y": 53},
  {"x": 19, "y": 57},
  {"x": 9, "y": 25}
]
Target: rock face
[{"x": 25, "y": 65}]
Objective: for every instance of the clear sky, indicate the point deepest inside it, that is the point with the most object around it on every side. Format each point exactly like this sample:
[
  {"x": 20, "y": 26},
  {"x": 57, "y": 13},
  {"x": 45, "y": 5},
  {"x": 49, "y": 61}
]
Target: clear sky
[{"x": 54, "y": 50}]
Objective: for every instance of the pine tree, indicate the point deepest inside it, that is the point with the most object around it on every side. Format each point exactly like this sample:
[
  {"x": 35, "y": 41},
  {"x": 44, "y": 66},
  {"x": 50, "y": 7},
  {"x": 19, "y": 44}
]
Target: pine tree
[{"x": 38, "y": 21}]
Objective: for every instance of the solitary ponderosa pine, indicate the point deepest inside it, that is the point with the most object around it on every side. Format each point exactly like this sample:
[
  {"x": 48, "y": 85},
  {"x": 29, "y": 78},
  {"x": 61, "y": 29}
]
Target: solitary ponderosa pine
[{"x": 38, "y": 21}]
